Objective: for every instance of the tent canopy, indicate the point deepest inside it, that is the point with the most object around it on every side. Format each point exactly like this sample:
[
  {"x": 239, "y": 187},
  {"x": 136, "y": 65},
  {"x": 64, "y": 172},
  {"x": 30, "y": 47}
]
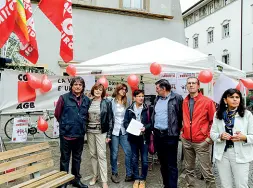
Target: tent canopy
[{"x": 172, "y": 56}]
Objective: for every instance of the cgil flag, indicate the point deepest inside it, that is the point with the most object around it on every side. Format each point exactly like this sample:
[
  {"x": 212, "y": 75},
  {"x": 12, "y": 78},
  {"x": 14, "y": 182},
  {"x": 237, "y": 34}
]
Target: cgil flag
[
  {"x": 8, "y": 11},
  {"x": 59, "y": 12},
  {"x": 30, "y": 49}
]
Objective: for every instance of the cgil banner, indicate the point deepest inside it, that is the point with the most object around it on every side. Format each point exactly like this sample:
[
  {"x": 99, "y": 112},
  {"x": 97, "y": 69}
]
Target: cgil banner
[{"x": 17, "y": 96}]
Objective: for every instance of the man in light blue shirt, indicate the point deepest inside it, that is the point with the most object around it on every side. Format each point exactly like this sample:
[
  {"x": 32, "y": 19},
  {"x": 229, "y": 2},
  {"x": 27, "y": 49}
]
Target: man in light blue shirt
[{"x": 166, "y": 123}]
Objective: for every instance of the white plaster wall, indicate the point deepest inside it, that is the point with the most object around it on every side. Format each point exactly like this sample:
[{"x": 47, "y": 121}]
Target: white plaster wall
[
  {"x": 232, "y": 43},
  {"x": 248, "y": 35}
]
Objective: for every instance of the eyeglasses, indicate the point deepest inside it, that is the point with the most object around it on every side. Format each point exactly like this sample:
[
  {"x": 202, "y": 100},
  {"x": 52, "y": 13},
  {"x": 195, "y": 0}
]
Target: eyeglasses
[{"x": 191, "y": 83}]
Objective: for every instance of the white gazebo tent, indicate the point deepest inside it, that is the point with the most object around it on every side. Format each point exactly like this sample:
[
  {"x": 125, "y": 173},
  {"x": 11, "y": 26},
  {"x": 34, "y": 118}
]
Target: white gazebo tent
[{"x": 172, "y": 56}]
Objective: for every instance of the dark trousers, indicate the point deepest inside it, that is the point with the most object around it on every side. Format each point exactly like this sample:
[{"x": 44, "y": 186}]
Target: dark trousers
[
  {"x": 143, "y": 149},
  {"x": 167, "y": 147},
  {"x": 76, "y": 148}
]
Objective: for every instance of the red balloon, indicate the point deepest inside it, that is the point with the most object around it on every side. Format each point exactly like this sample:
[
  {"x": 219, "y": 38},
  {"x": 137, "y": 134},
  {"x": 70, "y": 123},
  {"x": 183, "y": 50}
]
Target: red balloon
[
  {"x": 103, "y": 81},
  {"x": 155, "y": 68},
  {"x": 134, "y": 88},
  {"x": 42, "y": 124},
  {"x": 71, "y": 70},
  {"x": 133, "y": 80},
  {"x": 205, "y": 76},
  {"x": 46, "y": 84},
  {"x": 248, "y": 83},
  {"x": 238, "y": 87},
  {"x": 33, "y": 82}
]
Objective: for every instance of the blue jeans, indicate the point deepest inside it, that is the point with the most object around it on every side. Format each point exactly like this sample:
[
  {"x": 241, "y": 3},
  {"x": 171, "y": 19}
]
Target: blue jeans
[
  {"x": 114, "y": 147},
  {"x": 143, "y": 149}
]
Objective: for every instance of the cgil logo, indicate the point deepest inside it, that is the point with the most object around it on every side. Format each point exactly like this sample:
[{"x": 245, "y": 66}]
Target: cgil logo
[{"x": 26, "y": 94}]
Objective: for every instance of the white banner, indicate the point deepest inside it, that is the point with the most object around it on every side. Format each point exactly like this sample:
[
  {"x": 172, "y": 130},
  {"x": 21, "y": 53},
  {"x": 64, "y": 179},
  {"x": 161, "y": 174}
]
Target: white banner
[
  {"x": 178, "y": 81},
  {"x": 17, "y": 96},
  {"x": 20, "y": 129}
]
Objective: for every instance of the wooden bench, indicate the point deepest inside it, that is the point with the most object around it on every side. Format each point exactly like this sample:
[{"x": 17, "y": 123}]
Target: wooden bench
[{"x": 29, "y": 160}]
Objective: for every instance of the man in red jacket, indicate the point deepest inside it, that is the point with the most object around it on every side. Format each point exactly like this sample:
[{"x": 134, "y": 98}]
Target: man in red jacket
[{"x": 198, "y": 112}]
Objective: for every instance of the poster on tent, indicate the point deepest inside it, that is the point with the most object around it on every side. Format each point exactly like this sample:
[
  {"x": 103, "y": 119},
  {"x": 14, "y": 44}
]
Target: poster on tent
[
  {"x": 181, "y": 83},
  {"x": 56, "y": 128},
  {"x": 172, "y": 78},
  {"x": 20, "y": 97},
  {"x": 20, "y": 129}
]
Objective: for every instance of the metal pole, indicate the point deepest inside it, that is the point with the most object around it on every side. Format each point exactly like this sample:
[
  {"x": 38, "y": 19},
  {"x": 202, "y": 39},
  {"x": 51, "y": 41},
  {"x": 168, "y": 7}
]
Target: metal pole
[{"x": 241, "y": 34}]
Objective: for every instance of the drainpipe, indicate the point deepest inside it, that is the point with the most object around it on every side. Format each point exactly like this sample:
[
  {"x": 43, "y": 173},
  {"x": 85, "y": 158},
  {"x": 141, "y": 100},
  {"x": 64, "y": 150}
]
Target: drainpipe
[{"x": 241, "y": 34}]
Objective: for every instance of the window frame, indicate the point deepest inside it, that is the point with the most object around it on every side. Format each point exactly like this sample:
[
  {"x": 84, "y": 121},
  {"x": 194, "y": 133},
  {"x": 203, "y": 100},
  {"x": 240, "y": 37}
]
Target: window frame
[
  {"x": 187, "y": 41},
  {"x": 145, "y": 5},
  {"x": 209, "y": 30},
  {"x": 226, "y": 56},
  {"x": 195, "y": 38},
  {"x": 226, "y": 32}
]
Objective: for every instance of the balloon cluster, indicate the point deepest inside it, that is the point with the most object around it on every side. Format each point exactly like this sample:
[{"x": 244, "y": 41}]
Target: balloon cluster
[{"x": 44, "y": 84}]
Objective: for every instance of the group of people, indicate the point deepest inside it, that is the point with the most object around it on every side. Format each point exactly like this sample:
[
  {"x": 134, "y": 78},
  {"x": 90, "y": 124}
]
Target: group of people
[{"x": 194, "y": 120}]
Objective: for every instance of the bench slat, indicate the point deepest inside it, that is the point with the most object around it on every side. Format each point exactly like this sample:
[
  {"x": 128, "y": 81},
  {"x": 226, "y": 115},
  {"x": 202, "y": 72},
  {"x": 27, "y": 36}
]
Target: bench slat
[
  {"x": 24, "y": 150},
  {"x": 25, "y": 171},
  {"x": 59, "y": 181},
  {"x": 46, "y": 180},
  {"x": 35, "y": 179},
  {"x": 25, "y": 160}
]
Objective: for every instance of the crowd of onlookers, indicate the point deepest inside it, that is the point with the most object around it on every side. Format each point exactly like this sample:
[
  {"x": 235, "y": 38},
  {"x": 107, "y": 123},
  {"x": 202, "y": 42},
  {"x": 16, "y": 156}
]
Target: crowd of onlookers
[{"x": 194, "y": 120}]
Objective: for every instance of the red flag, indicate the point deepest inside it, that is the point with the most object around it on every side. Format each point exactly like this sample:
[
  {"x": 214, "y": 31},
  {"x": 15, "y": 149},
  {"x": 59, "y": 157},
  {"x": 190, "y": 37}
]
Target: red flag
[
  {"x": 8, "y": 10},
  {"x": 30, "y": 50},
  {"x": 59, "y": 12}
]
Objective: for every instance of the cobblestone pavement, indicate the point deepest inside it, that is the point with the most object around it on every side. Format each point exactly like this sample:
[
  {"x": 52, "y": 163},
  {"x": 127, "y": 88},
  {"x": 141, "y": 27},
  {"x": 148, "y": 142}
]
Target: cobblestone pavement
[{"x": 154, "y": 179}]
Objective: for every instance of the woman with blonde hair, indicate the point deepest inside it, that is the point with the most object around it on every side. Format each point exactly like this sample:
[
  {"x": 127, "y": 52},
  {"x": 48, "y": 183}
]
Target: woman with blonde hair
[
  {"x": 232, "y": 133},
  {"x": 100, "y": 122},
  {"x": 118, "y": 135}
]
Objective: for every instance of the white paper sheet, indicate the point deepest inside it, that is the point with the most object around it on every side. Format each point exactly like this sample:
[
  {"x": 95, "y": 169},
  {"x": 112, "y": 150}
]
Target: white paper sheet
[{"x": 134, "y": 127}]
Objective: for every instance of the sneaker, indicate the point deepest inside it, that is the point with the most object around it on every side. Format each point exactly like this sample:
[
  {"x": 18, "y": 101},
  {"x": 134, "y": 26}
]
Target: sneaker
[
  {"x": 136, "y": 184},
  {"x": 93, "y": 181},
  {"x": 115, "y": 178},
  {"x": 142, "y": 184},
  {"x": 129, "y": 178}
]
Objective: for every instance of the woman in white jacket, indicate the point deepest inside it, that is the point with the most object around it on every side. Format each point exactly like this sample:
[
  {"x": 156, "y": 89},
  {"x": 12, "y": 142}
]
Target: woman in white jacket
[{"x": 232, "y": 132}]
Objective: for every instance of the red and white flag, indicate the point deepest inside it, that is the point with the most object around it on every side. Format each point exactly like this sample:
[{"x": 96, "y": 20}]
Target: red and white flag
[
  {"x": 59, "y": 12},
  {"x": 30, "y": 50},
  {"x": 8, "y": 11}
]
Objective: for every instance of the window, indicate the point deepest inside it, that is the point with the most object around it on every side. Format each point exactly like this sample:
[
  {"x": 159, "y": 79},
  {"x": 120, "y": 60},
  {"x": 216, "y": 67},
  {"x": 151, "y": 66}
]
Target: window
[
  {"x": 225, "y": 2},
  {"x": 196, "y": 15},
  {"x": 133, "y": 4},
  {"x": 210, "y": 36},
  {"x": 210, "y": 8},
  {"x": 195, "y": 41},
  {"x": 187, "y": 41},
  {"x": 217, "y": 4},
  {"x": 225, "y": 57},
  {"x": 225, "y": 28},
  {"x": 203, "y": 12}
]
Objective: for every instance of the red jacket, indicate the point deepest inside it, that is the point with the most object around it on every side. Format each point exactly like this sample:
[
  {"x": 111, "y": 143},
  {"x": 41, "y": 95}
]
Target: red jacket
[{"x": 203, "y": 112}]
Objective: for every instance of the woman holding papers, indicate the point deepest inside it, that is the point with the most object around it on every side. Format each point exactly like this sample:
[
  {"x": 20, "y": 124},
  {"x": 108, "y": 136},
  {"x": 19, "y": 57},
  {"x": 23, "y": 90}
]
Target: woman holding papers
[
  {"x": 119, "y": 136},
  {"x": 232, "y": 132},
  {"x": 138, "y": 139},
  {"x": 100, "y": 121}
]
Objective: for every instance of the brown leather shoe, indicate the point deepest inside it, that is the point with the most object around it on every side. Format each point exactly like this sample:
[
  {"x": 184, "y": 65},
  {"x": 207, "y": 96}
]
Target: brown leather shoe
[{"x": 115, "y": 178}]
